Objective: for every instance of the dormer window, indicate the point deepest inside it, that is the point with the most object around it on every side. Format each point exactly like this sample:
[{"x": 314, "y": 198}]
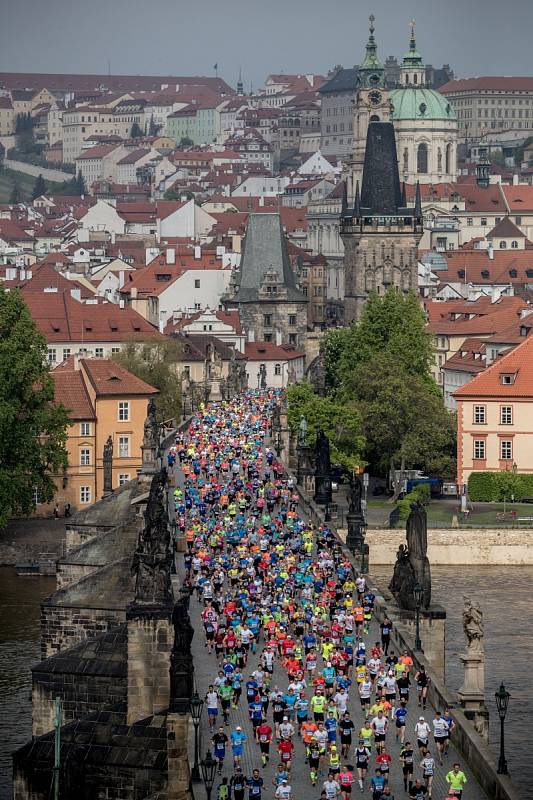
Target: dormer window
[
  {"x": 513, "y": 273},
  {"x": 485, "y": 273},
  {"x": 460, "y": 273},
  {"x": 524, "y": 330},
  {"x": 507, "y": 378},
  {"x": 503, "y": 245}
]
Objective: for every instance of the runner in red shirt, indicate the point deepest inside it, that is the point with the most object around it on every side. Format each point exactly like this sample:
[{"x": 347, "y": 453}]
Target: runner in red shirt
[
  {"x": 285, "y": 750},
  {"x": 263, "y": 734}
]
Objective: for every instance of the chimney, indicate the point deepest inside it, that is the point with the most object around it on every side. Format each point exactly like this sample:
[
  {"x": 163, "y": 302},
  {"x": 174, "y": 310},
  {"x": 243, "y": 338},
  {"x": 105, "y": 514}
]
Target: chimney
[
  {"x": 279, "y": 338},
  {"x": 197, "y": 252},
  {"x": 121, "y": 277},
  {"x": 490, "y": 251},
  {"x": 171, "y": 255},
  {"x": 76, "y": 294},
  {"x": 515, "y": 179}
]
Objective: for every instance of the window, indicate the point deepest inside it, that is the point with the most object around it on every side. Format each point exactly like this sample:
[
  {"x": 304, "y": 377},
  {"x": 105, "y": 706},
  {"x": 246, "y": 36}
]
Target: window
[
  {"x": 480, "y": 415},
  {"x": 503, "y": 245},
  {"x": 85, "y": 457},
  {"x": 52, "y": 355},
  {"x": 422, "y": 159},
  {"x": 469, "y": 221},
  {"x": 267, "y": 319},
  {"x": 507, "y": 379},
  {"x": 292, "y": 338},
  {"x": 267, "y": 337},
  {"x": 506, "y": 415},
  {"x": 124, "y": 411},
  {"x": 506, "y": 449},
  {"x": 277, "y": 369},
  {"x": 123, "y": 446},
  {"x": 115, "y": 350},
  {"x": 514, "y": 244},
  {"x": 66, "y": 353},
  {"x": 292, "y": 319},
  {"x": 123, "y": 478},
  {"x": 99, "y": 352},
  {"x": 85, "y": 494},
  {"x": 479, "y": 448},
  {"x": 197, "y": 283},
  {"x": 85, "y": 428}
]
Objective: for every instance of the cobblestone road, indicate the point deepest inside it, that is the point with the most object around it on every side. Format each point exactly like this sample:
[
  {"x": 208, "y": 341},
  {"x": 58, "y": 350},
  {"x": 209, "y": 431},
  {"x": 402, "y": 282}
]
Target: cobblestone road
[{"x": 302, "y": 789}]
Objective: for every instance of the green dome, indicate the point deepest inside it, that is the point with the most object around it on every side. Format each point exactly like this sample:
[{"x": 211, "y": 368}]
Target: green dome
[{"x": 420, "y": 104}]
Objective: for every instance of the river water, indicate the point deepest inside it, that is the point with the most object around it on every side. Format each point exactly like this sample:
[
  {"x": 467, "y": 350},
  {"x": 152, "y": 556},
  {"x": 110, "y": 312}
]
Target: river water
[
  {"x": 505, "y": 595},
  {"x": 19, "y": 649}
]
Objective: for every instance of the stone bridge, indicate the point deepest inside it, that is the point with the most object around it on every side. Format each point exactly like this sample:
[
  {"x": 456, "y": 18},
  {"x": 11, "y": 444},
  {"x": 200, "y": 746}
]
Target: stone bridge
[{"x": 115, "y": 650}]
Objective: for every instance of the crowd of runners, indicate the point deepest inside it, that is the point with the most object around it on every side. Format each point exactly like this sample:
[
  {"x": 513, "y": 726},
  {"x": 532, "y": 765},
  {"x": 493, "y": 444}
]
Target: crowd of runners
[{"x": 287, "y": 631}]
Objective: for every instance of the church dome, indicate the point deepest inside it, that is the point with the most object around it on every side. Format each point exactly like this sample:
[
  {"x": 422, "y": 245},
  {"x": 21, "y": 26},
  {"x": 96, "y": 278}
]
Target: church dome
[{"x": 420, "y": 103}]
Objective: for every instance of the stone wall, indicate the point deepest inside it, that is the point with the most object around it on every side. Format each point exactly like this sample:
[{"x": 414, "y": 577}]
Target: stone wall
[
  {"x": 76, "y": 536},
  {"x": 63, "y": 626},
  {"x": 70, "y": 573},
  {"x": 150, "y": 639},
  {"x": 80, "y": 695},
  {"x": 455, "y": 547}
]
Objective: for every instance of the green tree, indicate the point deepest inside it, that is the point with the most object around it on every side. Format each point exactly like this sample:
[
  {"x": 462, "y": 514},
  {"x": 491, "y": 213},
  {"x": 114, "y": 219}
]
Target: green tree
[
  {"x": 39, "y": 187},
  {"x": 391, "y": 323},
  {"x": 172, "y": 194},
  {"x": 81, "y": 188},
  {"x": 341, "y": 424},
  {"x": 136, "y": 131},
  {"x": 156, "y": 363},
  {"x": 404, "y": 420},
  {"x": 508, "y": 484},
  {"x": 16, "y": 194},
  {"x": 24, "y": 134},
  {"x": 33, "y": 429},
  {"x": 186, "y": 141},
  {"x": 2, "y": 154}
]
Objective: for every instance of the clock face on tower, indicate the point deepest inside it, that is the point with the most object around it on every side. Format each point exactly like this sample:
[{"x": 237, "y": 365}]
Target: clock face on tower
[{"x": 374, "y": 97}]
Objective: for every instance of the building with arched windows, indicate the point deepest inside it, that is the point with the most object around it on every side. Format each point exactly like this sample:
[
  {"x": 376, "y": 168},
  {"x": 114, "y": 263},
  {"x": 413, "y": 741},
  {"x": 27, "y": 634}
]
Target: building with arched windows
[{"x": 425, "y": 124}]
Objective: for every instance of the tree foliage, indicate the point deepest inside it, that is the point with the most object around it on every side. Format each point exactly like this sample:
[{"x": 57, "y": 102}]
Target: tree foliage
[
  {"x": 341, "y": 424},
  {"x": 16, "y": 194},
  {"x": 24, "y": 136},
  {"x": 32, "y": 426},
  {"x": 136, "y": 131},
  {"x": 39, "y": 187},
  {"x": 186, "y": 141},
  {"x": 381, "y": 367},
  {"x": 155, "y": 363},
  {"x": 2, "y": 154}
]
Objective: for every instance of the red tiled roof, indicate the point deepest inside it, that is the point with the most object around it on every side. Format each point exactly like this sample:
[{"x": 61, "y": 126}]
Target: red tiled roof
[
  {"x": 45, "y": 277},
  {"x": 229, "y": 317},
  {"x": 519, "y": 198},
  {"x": 60, "y": 318},
  {"x": 267, "y": 351},
  {"x": 506, "y": 229},
  {"x": 99, "y": 151},
  {"x": 473, "y": 318},
  {"x": 476, "y": 266},
  {"x": 70, "y": 390},
  {"x": 514, "y": 333},
  {"x": 489, "y": 84},
  {"x": 109, "y": 378},
  {"x": 469, "y": 358},
  {"x": 149, "y": 281},
  {"x": 134, "y": 156},
  {"x": 10, "y": 231},
  {"x": 121, "y": 83},
  {"x": 518, "y": 363}
]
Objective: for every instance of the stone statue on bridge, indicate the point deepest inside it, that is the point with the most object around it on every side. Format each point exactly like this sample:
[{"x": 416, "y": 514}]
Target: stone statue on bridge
[
  {"x": 108, "y": 466},
  {"x": 153, "y": 557},
  {"x": 181, "y": 660},
  {"x": 412, "y": 564},
  {"x": 323, "y": 490},
  {"x": 473, "y": 624}
]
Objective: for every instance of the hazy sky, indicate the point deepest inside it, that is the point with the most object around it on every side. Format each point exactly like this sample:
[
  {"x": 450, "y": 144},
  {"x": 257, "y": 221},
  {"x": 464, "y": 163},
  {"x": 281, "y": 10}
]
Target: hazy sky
[{"x": 477, "y": 37}]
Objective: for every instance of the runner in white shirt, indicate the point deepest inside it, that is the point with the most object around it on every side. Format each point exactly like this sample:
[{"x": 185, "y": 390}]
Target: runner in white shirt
[
  {"x": 428, "y": 770},
  {"x": 365, "y": 690},
  {"x": 286, "y": 728},
  {"x": 440, "y": 733},
  {"x": 422, "y": 731},
  {"x": 284, "y": 791},
  {"x": 211, "y": 700},
  {"x": 341, "y": 701},
  {"x": 380, "y": 726},
  {"x": 331, "y": 787}
]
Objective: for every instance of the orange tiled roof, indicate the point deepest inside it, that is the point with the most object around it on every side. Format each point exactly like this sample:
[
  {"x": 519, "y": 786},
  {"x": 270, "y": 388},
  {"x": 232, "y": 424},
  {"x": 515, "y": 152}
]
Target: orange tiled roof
[
  {"x": 268, "y": 351},
  {"x": 473, "y": 318},
  {"x": 109, "y": 378},
  {"x": 70, "y": 390},
  {"x": 518, "y": 364}
]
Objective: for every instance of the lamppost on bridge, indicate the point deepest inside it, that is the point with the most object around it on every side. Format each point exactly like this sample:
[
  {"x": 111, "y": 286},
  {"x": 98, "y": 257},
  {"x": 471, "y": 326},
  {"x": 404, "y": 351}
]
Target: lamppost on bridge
[
  {"x": 195, "y": 706},
  {"x": 502, "y": 702},
  {"x": 209, "y": 768},
  {"x": 418, "y": 593}
]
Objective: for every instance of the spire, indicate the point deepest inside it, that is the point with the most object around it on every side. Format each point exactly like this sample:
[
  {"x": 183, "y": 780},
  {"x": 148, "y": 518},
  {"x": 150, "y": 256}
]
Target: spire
[
  {"x": 357, "y": 204},
  {"x": 371, "y": 69},
  {"x": 381, "y": 193},
  {"x": 412, "y": 41},
  {"x": 418, "y": 202},
  {"x": 344, "y": 199},
  {"x": 240, "y": 84},
  {"x": 413, "y": 57}
]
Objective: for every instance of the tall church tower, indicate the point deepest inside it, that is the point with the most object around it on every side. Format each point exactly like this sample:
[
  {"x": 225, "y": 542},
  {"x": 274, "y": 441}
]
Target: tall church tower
[
  {"x": 380, "y": 234},
  {"x": 372, "y": 105}
]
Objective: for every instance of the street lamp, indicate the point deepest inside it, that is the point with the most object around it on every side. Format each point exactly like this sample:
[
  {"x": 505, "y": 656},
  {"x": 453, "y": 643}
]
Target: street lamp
[
  {"x": 209, "y": 768},
  {"x": 418, "y": 593},
  {"x": 327, "y": 515},
  {"x": 502, "y": 702},
  {"x": 195, "y": 707}
]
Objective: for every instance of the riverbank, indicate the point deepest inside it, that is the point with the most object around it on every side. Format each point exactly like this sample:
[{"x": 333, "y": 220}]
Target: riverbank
[
  {"x": 453, "y": 547},
  {"x": 28, "y": 539}
]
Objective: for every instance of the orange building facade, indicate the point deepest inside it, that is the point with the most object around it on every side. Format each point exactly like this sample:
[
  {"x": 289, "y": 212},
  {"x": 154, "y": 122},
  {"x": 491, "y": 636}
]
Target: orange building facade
[{"x": 104, "y": 400}]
